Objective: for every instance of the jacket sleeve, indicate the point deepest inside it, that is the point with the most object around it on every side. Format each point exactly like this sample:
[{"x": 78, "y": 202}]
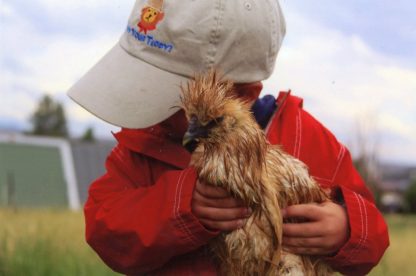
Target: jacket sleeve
[
  {"x": 331, "y": 161},
  {"x": 369, "y": 235},
  {"x": 135, "y": 225}
]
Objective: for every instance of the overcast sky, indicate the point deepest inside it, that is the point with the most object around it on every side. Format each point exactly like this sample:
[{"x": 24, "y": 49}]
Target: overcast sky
[{"x": 353, "y": 62}]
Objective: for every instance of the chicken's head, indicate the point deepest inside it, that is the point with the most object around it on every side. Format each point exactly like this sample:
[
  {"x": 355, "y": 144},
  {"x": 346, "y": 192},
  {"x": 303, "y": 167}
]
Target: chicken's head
[{"x": 213, "y": 110}]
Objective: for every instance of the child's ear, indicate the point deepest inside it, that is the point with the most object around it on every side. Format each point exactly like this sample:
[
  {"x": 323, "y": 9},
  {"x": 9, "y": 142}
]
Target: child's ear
[{"x": 160, "y": 16}]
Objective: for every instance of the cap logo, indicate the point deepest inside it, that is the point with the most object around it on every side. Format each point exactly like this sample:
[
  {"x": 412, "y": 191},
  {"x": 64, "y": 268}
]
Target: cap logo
[{"x": 152, "y": 14}]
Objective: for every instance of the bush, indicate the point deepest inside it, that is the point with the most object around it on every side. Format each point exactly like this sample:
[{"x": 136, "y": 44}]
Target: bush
[{"x": 410, "y": 197}]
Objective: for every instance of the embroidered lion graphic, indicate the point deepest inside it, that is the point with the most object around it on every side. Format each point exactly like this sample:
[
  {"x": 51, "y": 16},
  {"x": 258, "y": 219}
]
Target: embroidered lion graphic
[{"x": 151, "y": 15}]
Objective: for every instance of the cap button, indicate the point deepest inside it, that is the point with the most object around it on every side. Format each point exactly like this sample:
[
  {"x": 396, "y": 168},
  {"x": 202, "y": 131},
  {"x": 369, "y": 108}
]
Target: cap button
[{"x": 248, "y": 6}]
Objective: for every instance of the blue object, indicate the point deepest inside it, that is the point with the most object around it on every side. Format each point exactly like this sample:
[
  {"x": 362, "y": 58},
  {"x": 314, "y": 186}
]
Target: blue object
[{"x": 263, "y": 109}]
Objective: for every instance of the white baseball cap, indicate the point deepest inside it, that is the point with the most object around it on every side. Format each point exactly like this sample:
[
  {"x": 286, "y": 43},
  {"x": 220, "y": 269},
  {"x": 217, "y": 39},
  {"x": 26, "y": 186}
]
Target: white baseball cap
[{"x": 137, "y": 83}]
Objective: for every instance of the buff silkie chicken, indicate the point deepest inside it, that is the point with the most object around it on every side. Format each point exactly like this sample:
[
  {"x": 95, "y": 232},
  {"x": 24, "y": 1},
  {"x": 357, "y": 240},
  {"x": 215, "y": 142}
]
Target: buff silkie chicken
[{"x": 230, "y": 150}]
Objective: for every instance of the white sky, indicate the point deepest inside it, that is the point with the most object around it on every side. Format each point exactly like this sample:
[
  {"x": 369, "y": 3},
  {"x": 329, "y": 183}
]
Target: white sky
[{"x": 353, "y": 62}]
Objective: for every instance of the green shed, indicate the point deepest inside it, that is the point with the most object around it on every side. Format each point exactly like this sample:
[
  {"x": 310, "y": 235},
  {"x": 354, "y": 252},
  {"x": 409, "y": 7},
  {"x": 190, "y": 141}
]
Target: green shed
[{"x": 36, "y": 172}]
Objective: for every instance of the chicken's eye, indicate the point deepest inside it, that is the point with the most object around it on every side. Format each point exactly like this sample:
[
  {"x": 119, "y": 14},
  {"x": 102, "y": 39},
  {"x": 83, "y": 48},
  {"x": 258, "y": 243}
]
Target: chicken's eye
[{"x": 214, "y": 122}]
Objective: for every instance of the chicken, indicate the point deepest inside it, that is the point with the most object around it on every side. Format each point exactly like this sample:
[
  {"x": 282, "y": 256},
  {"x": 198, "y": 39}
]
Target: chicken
[{"x": 230, "y": 150}]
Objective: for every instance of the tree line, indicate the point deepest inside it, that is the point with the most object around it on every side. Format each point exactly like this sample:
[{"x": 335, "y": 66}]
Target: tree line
[{"x": 49, "y": 119}]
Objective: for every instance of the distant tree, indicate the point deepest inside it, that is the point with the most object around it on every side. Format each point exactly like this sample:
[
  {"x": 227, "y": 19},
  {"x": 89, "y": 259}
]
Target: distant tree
[
  {"x": 49, "y": 119},
  {"x": 366, "y": 159},
  {"x": 370, "y": 177},
  {"x": 410, "y": 197},
  {"x": 88, "y": 135}
]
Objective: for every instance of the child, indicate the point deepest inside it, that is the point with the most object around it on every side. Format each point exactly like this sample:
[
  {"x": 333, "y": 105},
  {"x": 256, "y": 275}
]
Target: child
[{"x": 149, "y": 213}]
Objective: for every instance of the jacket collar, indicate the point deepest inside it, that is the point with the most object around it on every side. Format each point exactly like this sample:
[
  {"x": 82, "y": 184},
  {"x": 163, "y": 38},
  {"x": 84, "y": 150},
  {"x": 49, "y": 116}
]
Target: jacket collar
[
  {"x": 162, "y": 141},
  {"x": 281, "y": 101}
]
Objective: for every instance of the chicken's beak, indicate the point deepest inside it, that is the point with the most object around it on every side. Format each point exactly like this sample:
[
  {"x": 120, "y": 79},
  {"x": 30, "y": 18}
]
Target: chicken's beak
[
  {"x": 189, "y": 142},
  {"x": 193, "y": 134}
]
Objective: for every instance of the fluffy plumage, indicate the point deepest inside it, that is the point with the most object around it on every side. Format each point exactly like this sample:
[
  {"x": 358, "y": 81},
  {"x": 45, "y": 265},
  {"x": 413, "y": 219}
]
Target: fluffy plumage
[{"x": 231, "y": 151}]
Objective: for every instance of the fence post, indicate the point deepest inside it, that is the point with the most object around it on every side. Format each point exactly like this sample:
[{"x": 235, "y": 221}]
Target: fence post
[{"x": 11, "y": 190}]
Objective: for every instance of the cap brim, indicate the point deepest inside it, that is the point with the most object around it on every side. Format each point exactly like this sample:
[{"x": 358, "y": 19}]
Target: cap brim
[{"x": 127, "y": 92}]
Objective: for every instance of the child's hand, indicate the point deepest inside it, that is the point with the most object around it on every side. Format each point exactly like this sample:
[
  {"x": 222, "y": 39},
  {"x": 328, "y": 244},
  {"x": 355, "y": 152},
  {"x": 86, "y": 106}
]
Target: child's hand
[
  {"x": 325, "y": 231},
  {"x": 217, "y": 209}
]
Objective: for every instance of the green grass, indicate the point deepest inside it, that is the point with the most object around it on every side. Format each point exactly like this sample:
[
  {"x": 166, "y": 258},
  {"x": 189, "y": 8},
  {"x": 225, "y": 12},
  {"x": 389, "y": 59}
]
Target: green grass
[
  {"x": 400, "y": 256},
  {"x": 46, "y": 243},
  {"x": 51, "y": 242}
]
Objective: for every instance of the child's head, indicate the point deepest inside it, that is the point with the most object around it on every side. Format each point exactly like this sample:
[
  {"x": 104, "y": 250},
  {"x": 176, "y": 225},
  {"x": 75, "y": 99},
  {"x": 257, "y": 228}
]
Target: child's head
[{"x": 137, "y": 84}]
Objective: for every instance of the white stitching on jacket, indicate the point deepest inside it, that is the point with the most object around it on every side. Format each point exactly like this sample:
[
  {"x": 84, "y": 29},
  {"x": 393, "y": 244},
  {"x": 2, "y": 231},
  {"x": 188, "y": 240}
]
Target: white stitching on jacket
[
  {"x": 339, "y": 158},
  {"x": 299, "y": 118},
  {"x": 363, "y": 235},
  {"x": 177, "y": 215}
]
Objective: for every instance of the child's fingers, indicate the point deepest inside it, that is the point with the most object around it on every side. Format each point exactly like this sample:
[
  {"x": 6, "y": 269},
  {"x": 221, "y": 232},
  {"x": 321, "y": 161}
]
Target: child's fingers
[
  {"x": 210, "y": 191},
  {"x": 226, "y": 202},
  {"x": 216, "y": 209},
  {"x": 309, "y": 211},
  {"x": 327, "y": 221},
  {"x": 306, "y": 230}
]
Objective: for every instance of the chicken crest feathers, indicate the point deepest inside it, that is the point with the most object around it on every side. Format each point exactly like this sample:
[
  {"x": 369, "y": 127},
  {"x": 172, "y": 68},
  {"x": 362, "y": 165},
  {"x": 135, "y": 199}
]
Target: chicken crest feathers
[{"x": 209, "y": 96}]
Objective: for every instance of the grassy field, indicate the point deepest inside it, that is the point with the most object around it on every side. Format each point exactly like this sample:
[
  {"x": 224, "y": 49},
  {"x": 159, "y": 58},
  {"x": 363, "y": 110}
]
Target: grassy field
[
  {"x": 399, "y": 257},
  {"x": 51, "y": 242},
  {"x": 48, "y": 242}
]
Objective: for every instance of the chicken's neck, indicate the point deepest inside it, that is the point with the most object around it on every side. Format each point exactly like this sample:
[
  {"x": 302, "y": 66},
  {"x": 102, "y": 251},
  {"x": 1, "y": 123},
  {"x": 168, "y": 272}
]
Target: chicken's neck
[{"x": 234, "y": 162}]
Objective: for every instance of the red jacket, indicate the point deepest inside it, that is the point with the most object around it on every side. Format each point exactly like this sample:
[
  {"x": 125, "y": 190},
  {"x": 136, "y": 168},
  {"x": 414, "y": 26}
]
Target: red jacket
[{"x": 138, "y": 215}]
